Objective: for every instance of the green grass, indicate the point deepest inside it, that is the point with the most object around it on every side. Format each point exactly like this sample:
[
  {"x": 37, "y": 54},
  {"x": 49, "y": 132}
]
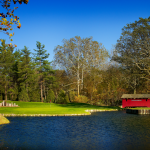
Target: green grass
[
  {"x": 52, "y": 109},
  {"x": 140, "y": 108}
]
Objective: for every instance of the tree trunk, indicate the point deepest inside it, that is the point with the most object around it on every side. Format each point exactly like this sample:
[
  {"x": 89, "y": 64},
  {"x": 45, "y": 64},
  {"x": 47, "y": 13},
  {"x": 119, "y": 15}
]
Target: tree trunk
[
  {"x": 56, "y": 96},
  {"x": 5, "y": 89},
  {"x": 135, "y": 86},
  {"x": 44, "y": 93},
  {"x": 135, "y": 91},
  {"x": 5, "y": 93},
  {"x": 1, "y": 96},
  {"x": 91, "y": 95},
  {"x": 41, "y": 93},
  {"x": 78, "y": 86},
  {"x": 41, "y": 86},
  {"x": 82, "y": 79},
  {"x": 26, "y": 84},
  {"x": 47, "y": 92},
  {"x": 78, "y": 79},
  {"x": 27, "y": 87}
]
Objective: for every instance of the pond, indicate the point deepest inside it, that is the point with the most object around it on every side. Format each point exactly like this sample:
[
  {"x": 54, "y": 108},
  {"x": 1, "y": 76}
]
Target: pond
[{"x": 99, "y": 131}]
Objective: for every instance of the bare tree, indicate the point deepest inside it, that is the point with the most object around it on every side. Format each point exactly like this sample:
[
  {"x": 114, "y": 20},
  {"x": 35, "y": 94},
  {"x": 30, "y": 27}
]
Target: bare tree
[{"x": 79, "y": 55}]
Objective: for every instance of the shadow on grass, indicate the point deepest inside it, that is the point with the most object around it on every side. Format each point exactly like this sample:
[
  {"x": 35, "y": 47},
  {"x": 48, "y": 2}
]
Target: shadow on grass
[{"x": 84, "y": 105}]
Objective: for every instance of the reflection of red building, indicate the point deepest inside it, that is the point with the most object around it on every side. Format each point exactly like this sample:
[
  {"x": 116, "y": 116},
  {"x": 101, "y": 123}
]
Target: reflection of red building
[{"x": 135, "y": 100}]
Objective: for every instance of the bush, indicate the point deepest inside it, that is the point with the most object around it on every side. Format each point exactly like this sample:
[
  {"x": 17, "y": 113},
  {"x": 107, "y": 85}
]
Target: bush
[
  {"x": 72, "y": 95},
  {"x": 81, "y": 99},
  {"x": 118, "y": 102},
  {"x": 34, "y": 96},
  {"x": 67, "y": 99},
  {"x": 62, "y": 98},
  {"x": 23, "y": 96}
]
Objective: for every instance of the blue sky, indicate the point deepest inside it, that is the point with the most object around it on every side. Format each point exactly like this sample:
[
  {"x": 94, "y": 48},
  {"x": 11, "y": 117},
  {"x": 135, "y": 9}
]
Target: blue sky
[{"x": 51, "y": 21}]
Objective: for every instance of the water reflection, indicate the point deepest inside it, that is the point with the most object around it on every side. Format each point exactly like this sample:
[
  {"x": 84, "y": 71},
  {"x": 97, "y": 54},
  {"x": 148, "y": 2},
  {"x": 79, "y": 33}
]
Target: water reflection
[{"x": 101, "y": 130}]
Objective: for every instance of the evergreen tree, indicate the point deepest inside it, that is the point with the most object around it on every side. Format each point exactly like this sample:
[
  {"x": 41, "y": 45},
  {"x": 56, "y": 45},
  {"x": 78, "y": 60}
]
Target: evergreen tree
[
  {"x": 62, "y": 98},
  {"x": 25, "y": 69},
  {"x": 33, "y": 87},
  {"x": 23, "y": 95},
  {"x": 35, "y": 95},
  {"x": 6, "y": 63},
  {"x": 41, "y": 63},
  {"x": 16, "y": 83},
  {"x": 48, "y": 78},
  {"x": 50, "y": 96}
]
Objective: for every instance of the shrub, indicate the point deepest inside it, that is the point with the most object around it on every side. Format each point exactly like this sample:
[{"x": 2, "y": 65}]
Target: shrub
[
  {"x": 34, "y": 96},
  {"x": 67, "y": 99},
  {"x": 72, "y": 95},
  {"x": 62, "y": 98},
  {"x": 81, "y": 99},
  {"x": 23, "y": 96}
]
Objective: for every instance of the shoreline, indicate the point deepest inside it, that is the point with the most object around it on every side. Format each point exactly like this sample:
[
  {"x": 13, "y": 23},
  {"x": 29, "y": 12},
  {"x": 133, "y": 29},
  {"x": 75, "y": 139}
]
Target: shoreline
[
  {"x": 42, "y": 115},
  {"x": 138, "y": 111}
]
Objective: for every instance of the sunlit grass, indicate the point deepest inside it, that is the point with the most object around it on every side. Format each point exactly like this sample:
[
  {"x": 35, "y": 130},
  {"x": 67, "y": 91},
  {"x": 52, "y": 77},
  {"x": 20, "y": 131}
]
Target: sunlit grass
[
  {"x": 47, "y": 108},
  {"x": 3, "y": 120},
  {"x": 140, "y": 108}
]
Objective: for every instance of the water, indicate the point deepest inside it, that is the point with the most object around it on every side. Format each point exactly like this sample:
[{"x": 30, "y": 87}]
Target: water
[{"x": 99, "y": 131}]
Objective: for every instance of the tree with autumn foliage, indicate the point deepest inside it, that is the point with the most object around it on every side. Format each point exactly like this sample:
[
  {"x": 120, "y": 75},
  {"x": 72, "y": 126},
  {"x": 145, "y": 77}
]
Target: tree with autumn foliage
[
  {"x": 132, "y": 51},
  {"x": 77, "y": 56},
  {"x": 9, "y": 19}
]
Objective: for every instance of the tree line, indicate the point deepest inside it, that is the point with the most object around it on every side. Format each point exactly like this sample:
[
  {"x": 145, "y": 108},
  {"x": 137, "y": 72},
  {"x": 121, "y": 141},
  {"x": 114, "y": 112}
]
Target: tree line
[{"x": 80, "y": 71}]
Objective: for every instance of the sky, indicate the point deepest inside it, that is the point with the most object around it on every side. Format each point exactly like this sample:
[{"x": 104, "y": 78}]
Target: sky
[{"x": 51, "y": 21}]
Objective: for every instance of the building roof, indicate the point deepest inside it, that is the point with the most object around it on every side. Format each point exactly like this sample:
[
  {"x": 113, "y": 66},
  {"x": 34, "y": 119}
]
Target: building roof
[{"x": 135, "y": 96}]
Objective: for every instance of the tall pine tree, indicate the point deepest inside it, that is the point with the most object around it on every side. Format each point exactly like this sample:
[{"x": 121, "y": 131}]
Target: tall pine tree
[
  {"x": 6, "y": 63},
  {"x": 41, "y": 64}
]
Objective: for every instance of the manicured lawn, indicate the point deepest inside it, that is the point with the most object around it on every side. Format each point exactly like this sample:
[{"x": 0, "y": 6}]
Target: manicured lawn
[{"x": 47, "y": 108}]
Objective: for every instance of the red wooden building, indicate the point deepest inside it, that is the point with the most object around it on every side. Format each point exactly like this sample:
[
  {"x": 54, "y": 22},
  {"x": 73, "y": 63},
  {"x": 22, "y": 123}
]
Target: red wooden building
[{"x": 135, "y": 100}]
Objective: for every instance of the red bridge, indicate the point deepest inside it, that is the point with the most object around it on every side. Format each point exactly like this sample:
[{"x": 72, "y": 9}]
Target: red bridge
[{"x": 135, "y": 100}]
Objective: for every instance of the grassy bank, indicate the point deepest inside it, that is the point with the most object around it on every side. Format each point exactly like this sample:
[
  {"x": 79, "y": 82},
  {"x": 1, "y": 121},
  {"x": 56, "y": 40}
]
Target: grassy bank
[
  {"x": 138, "y": 108},
  {"x": 3, "y": 120},
  {"x": 30, "y": 108}
]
